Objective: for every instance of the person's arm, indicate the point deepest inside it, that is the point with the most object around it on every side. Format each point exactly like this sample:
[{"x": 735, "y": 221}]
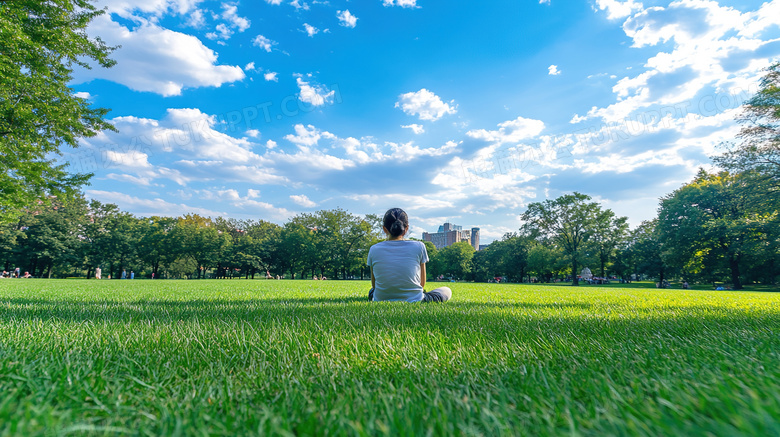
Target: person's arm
[
  {"x": 422, "y": 275},
  {"x": 373, "y": 279}
]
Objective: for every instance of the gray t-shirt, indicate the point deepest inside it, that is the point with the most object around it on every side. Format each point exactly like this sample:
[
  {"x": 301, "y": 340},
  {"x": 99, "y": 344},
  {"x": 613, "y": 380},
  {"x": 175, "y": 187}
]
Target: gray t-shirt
[{"x": 396, "y": 267}]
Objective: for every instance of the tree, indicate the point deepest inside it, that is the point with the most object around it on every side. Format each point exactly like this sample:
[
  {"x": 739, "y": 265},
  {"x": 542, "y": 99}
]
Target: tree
[
  {"x": 11, "y": 239},
  {"x": 201, "y": 241},
  {"x": 647, "y": 249},
  {"x": 456, "y": 259},
  {"x": 295, "y": 250},
  {"x": 568, "y": 221},
  {"x": 544, "y": 261},
  {"x": 712, "y": 222},
  {"x": 52, "y": 236},
  {"x": 155, "y": 247},
  {"x": 759, "y": 149},
  {"x": 40, "y": 42},
  {"x": 608, "y": 232}
]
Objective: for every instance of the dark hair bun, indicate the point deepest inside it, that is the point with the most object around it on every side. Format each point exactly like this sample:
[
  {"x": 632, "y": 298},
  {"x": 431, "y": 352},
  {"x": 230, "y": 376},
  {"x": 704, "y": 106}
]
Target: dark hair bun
[
  {"x": 397, "y": 228},
  {"x": 396, "y": 222}
]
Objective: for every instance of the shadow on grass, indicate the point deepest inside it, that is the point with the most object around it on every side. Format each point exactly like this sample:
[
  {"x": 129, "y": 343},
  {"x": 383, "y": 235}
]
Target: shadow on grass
[{"x": 647, "y": 285}]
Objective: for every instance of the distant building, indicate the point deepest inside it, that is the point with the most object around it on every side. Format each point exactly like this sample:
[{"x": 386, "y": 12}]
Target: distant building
[{"x": 450, "y": 234}]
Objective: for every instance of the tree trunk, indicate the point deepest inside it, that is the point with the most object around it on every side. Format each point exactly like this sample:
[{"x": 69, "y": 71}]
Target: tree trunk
[
  {"x": 48, "y": 273},
  {"x": 734, "y": 266},
  {"x": 574, "y": 280},
  {"x": 89, "y": 272}
]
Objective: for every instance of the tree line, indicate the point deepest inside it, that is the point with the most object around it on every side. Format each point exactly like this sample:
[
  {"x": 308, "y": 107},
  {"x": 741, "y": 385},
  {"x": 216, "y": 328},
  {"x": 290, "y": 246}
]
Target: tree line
[{"x": 73, "y": 236}]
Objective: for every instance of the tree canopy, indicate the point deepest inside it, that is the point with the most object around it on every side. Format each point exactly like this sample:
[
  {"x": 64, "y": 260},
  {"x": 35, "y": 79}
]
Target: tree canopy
[
  {"x": 569, "y": 221},
  {"x": 759, "y": 146},
  {"x": 711, "y": 223},
  {"x": 40, "y": 43}
]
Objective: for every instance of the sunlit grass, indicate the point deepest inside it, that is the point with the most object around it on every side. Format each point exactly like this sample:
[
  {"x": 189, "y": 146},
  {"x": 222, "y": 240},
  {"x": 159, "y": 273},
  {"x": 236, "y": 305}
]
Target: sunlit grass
[{"x": 306, "y": 357}]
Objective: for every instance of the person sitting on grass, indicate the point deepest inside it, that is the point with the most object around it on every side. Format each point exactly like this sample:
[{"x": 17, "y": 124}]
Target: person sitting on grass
[{"x": 398, "y": 265}]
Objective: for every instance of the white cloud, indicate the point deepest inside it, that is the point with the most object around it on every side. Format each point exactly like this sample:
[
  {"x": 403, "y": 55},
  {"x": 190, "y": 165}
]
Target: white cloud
[
  {"x": 617, "y": 9},
  {"x": 714, "y": 49},
  {"x": 223, "y": 32},
  {"x": 297, "y": 5},
  {"x": 307, "y": 135},
  {"x": 310, "y": 30},
  {"x": 346, "y": 18},
  {"x": 274, "y": 2},
  {"x": 265, "y": 209},
  {"x": 402, "y": 3},
  {"x": 158, "y": 60},
  {"x": 230, "y": 13},
  {"x": 149, "y": 207},
  {"x": 411, "y": 202},
  {"x": 303, "y": 201},
  {"x": 151, "y": 8},
  {"x": 271, "y": 76},
  {"x": 552, "y": 70},
  {"x": 183, "y": 146},
  {"x": 82, "y": 95},
  {"x": 425, "y": 104},
  {"x": 249, "y": 67},
  {"x": 313, "y": 93},
  {"x": 489, "y": 193},
  {"x": 196, "y": 19},
  {"x": 264, "y": 43},
  {"x": 307, "y": 138},
  {"x": 511, "y": 131},
  {"x": 416, "y": 128},
  {"x": 254, "y": 133}
]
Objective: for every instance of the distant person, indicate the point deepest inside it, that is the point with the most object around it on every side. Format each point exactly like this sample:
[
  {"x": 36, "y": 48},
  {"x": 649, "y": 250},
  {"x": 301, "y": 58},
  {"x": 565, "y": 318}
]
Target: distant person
[
  {"x": 132, "y": 274},
  {"x": 17, "y": 272},
  {"x": 98, "y": 272},
  {"x": 685, "y": 285},
  {"x": 124, "y": 274},
  {"x": 27, "y": 275},
  {"x": 398, "y": 265}
]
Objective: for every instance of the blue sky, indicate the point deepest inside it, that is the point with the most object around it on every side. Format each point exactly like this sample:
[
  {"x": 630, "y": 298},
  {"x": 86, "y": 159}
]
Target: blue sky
[{"x": 453, "y": 110}]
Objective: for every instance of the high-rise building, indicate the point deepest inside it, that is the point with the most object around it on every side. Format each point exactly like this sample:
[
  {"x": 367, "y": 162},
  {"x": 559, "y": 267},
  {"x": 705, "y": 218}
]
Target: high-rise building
[{"x": 449, "y": 234}]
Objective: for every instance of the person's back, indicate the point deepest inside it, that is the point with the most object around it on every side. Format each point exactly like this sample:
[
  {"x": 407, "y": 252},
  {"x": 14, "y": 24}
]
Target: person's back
[
  {"x": 398, "y": 265},
  {"x": 395, "y": 265}
]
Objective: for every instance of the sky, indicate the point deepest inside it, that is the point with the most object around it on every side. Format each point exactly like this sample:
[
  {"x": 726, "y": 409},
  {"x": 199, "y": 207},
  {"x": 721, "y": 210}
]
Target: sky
[{"x": 456, "y": 111}]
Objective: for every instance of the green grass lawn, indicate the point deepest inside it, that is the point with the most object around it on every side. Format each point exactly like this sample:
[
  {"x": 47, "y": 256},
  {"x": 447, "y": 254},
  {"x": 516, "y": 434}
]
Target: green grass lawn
[{"x": 303, "y": 357}]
